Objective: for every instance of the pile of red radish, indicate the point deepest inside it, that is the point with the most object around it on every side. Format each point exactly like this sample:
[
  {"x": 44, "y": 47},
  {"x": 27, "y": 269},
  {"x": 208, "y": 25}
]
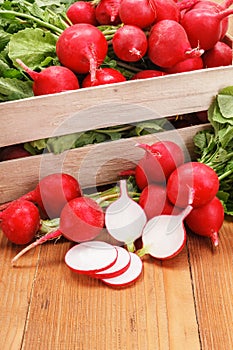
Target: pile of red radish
[
  {"x": 174, "y": 194},
  {"x": 171, "y": 37}
]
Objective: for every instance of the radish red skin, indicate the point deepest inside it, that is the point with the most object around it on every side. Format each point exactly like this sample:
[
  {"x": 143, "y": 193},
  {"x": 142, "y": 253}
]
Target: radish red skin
[
  {"x": 51, "y": 80},
  {"x": 219, "y": 55},
  {"x": 107, "y": 12},
  {"x": 82, "y": 48},
  {"x": 129, "y": 43},
  {"x": 20, "y": 221},
  {"x": 81, "y": 12},
  {"x": 148, "y": 73},
  {"x": 190, "y": 64},
  {"x": 195, "y": 179},
  {"x": 53, "y": 192},
  {"x": 154, "y": 201},
  {"x": 207, "y": 220},
  {"x": 168, "y": 44},
  {"x": 82, "y": 219},
  {"x": 168, "y": 10},
  {"x": 13, "y": 152},
  {"x": 104, "y": 76},
  {"x": 141, "y": 13}
]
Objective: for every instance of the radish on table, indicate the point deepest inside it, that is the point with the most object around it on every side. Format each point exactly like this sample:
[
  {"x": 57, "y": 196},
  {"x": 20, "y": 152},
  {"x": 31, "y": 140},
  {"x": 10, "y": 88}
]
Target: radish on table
[
  {"x": 103, "y": 76},
  {"x": 107, "y": 12},
  {"x": 207, "y": 220},
  {"x": 81, "y": 12},
  {"x": 91, "y": 257},
  {"x": 196, "y": 177},
  {"x": 124, "y": 218},
  {"x": 141, "y": 13},
  {"x": 164, "y": 236},
  {"x": 20, "y": 221},
  {"x": 81, "y": 220},
  {"x": 52, "y": 193}
]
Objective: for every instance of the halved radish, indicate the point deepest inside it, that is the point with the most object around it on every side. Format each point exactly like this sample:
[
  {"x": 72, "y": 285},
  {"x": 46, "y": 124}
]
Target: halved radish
[
  {"x": 124, "y": 218},
  {"x": 92, "y": 256},
  {"x": 129, "y": 276},
  {"x": 164, "y": 236},
  {"x": 121, "y": 265}
]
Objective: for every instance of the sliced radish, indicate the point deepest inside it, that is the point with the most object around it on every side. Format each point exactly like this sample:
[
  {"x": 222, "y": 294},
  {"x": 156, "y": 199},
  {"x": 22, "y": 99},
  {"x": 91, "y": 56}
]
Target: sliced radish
[
  {"x": 125, "y": 219},
  {"x": 129, "y": 276},
  {"x": 164, "y": 236},
  {"x": 121, "y": 265},
  {"x": 92, "y": 256}
]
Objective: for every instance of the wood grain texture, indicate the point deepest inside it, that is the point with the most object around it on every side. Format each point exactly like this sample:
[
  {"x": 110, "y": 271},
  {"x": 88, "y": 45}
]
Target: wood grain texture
[
  {"x": 182, "y": 303},
  {"x": 212, "y": 272}
]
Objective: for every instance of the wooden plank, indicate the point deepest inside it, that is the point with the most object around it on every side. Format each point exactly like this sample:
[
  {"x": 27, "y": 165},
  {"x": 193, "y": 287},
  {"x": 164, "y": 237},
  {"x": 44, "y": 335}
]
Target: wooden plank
[
  {"x": 212, "y": 273},
  {"x": 78, "y": 312},
  {"x": 15, "y": 290},
  {"x": 92, "y": 165},
  {"x": 114, "y": 104}
]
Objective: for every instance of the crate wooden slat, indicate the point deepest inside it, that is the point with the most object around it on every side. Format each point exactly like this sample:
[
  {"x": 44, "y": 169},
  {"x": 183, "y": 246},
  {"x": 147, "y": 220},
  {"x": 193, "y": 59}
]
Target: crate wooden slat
[
  {"x": 91, "y": 165},
  {"x": 115, "y": 104}
]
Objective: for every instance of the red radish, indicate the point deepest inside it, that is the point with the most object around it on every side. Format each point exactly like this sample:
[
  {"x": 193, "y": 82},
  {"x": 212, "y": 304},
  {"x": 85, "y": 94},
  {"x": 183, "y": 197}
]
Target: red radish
[
  {"x": 53, "y": 192},
  {"x": 140, "y": 176},
  {"x": 107, "y": 12},
  {"x": 104, "y": 76},
  {"x": 202, "y": 116},
  {"x": 20, "y": 221},
  {"x": 206, "y": 4},
  {"x": 207, "y": 220},
  {"x": 154, "y": 201},
  {"x": 82, "y": 48},
  {"x": 148, "y": 73},
  {"x": 187, "y": 65},
  {"x": 198, "y": 177},
  {"x": 13, "y": 152},
  {"x": 168, "y": 10},
  {"x": 82, "y": 12},
  {"x": 81, "y": 220},
  {"x": 204, "y": 26},
  {"x": 124, "y": 218},
  {"x": 141, "y": 13},
  {"x": 129, "y": 276},
  {"x": 129, "y": 43},
  {"x": 164, "y": 236},
  {"x": 51, "y": 80},
  {"x": 121, "y": 265},
  {"x": 168, "y": 44},
  {"x": 160, "y": 159},
  {"x": 91, "y": 257},
  {"x": 219, "y": 55}
]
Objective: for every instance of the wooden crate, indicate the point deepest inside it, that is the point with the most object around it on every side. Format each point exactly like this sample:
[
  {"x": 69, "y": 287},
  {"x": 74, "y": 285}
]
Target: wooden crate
[{"x": 85, "y": 109}]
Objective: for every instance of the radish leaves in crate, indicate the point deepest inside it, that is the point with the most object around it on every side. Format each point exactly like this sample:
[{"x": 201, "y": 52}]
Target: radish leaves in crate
[{"x": 215, "y": 146}]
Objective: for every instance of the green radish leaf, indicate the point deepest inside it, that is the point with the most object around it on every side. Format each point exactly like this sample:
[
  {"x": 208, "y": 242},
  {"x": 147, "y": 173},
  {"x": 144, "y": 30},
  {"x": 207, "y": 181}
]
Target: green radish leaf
[
  {"x": 225, "y": 103},
  {"x": 13, "y": 89},
  {"x": 32, "y": 46},
  {"x": 226, "y": 136}
]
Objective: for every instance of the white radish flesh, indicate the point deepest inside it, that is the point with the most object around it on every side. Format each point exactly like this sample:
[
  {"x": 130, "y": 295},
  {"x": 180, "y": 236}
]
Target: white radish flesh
[
  {"x": 92, "y": 256},
  {"x": 164, "y": 236},
  {"x": 124, "y": 218},
  {"x": 129, "y": 276},
  {"x": 121, "y": 265}
]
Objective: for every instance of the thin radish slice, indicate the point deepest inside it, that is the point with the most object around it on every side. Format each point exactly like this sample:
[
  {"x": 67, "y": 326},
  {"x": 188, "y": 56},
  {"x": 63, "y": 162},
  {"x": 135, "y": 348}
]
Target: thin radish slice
[
  {"x": 129, "y": 276},
  {"x": 92, "y": 256},
  {"x": 121, "y": 265},
  {"x": 164, "y": 236}
]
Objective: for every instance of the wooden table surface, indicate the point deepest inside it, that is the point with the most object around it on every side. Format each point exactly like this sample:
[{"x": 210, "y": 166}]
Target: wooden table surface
[{"x": 182, "y": 303}]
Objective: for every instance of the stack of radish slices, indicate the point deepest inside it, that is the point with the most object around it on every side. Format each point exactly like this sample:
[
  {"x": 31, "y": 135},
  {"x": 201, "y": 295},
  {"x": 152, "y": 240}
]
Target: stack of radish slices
[{"x": 114, "y": 265}]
